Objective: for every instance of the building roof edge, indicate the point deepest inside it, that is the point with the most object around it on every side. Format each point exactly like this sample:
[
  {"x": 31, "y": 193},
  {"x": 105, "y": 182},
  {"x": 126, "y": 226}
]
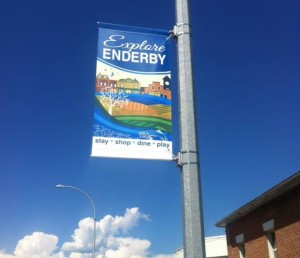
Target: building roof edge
[{"x": 271, "y": 194}]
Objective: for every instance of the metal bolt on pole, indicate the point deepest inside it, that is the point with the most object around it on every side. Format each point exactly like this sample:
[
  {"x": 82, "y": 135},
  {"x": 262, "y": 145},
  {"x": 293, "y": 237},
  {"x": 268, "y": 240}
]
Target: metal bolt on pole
[{"x": 188, "y": 160}]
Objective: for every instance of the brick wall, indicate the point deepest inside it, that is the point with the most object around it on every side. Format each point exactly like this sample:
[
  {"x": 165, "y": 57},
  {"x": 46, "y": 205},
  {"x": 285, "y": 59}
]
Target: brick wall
[{"x": 285, "y": 211}]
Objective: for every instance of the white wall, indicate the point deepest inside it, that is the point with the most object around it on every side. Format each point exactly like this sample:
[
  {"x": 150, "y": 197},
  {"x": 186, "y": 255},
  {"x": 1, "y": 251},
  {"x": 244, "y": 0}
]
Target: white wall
[{"x": 216, "y": 247}]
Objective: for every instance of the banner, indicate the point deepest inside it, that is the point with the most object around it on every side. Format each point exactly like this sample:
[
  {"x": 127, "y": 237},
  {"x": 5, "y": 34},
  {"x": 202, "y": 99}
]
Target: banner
[{"x": 132, "y": 114}]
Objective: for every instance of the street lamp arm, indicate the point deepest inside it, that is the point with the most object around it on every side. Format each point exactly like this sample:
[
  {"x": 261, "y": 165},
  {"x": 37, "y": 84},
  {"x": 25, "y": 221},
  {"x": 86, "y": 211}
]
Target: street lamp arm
[
  {"x": 83, "y": 192},
  {"x": 91, "y": 201}
]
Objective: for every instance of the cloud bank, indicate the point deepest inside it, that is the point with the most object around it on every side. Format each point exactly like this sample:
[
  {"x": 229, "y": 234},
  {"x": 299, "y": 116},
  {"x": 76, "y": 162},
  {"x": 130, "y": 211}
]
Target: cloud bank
[{"x": 111, "y": 241}]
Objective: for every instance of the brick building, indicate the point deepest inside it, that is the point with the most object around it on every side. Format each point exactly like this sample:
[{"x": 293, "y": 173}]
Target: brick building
[{"x": 268, "y": 226}]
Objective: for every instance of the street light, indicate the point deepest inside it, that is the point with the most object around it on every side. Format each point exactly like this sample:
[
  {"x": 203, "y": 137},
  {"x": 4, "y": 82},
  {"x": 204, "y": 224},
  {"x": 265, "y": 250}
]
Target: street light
[{"x": 89, "y": 198}]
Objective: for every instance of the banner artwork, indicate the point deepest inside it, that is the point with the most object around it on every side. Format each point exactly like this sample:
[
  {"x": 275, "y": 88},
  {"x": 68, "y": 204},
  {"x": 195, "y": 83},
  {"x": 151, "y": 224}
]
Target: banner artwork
[{"x": 132, "y": 115}]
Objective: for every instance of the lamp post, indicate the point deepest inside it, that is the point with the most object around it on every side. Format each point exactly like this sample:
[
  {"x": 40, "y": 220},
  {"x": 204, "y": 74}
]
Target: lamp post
[
  {"x": 194, "y": 243},
  {"x": 94, "y": 209}
]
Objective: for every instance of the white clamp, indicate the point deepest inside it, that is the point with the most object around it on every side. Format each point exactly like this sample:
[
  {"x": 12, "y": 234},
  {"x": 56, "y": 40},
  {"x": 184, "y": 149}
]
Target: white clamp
[{"x": 178, "y": 29}]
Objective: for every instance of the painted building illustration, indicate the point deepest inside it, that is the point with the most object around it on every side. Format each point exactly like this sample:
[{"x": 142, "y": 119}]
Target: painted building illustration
[
  {"x": 128, "y": 85},
  {"x": 133, "y": 86},
  {"x": 158, "y": 90},
  {"x": 103, "y": 82}
]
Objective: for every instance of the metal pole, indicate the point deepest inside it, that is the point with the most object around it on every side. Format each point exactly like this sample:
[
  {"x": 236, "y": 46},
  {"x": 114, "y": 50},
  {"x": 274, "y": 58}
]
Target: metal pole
[
  {"x": 188, "y": 160},
  {"x": 94, "y": 209}
]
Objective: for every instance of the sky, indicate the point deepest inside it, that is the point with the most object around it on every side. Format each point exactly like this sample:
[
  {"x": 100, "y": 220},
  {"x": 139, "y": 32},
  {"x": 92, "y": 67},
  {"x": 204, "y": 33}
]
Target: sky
[{"x": 246, "y": 60}]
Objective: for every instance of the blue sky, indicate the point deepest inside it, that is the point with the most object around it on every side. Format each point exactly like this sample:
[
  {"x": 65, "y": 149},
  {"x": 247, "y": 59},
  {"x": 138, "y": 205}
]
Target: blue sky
[{"x": 246, "y": 63}]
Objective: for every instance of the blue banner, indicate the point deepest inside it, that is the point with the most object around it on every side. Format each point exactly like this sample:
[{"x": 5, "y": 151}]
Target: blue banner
[{"x": 132, "y": 114}]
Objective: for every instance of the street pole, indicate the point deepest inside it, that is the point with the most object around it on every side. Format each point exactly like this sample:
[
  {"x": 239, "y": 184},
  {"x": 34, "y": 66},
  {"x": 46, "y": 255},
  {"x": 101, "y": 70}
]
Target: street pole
[
  {"x": 94, "y": 212},
  {"x": 188, "y": 158}
]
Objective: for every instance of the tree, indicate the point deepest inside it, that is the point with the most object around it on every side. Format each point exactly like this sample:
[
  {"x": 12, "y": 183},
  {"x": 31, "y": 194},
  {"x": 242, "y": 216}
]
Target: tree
[{"x": 111, "y": 98}]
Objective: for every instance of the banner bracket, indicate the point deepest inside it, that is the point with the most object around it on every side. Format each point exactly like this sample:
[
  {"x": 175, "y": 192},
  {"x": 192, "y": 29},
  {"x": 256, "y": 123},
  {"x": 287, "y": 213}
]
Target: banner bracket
[
  {"x": 181, "y": 160},
  {"x": 179, "y": 29}
]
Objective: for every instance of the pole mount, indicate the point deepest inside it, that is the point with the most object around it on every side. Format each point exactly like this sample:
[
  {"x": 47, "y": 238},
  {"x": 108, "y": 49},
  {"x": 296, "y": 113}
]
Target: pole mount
[
  {"x": 179, "y": 29},
  {"x": 184, "y": 157}
]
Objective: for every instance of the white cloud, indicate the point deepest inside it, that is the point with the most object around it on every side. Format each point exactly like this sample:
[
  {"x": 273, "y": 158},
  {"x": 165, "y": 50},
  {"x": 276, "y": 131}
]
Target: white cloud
[
  {"x": 165, "y": 256},
  {"x": 3, "y": 255},
  {"x": 112, "y": 225},
  {"x": 37, "y": 245},
  {"x": 79, "y": 255},
  {"x": 127, "y": 247},
  {"x": 106, "y": 237},
  {"x": 82, "y": 237},
  {"x": 110, "y": 240}
]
